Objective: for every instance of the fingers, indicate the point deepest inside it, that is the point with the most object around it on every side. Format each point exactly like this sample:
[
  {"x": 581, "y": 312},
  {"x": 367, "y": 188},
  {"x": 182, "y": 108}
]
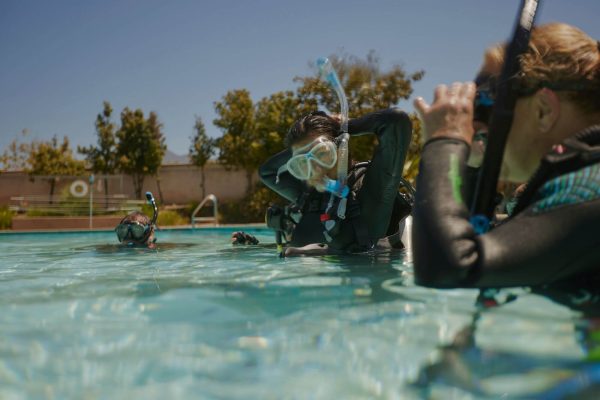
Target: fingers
[
  {"x": 468, "y": 90},
  {"x": 439, "y": 93},
  {"x": 421, "y": 106}
]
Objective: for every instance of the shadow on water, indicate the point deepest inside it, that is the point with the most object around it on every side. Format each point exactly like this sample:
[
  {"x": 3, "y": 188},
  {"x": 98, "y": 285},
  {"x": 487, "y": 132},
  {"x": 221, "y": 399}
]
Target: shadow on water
[{"x": 475, "y": 369}]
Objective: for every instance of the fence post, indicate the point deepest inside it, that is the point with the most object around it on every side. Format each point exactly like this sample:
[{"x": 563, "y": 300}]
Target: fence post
[{"x": 91, "y": 197}]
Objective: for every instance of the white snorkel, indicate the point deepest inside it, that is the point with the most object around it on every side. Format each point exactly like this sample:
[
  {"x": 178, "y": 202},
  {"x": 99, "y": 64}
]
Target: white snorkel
[{"x": 338, "y": 188}]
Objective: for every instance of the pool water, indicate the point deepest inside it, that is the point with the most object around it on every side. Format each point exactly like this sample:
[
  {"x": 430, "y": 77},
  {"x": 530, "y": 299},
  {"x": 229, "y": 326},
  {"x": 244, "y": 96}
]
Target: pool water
[{"x": 83, "y": 318}]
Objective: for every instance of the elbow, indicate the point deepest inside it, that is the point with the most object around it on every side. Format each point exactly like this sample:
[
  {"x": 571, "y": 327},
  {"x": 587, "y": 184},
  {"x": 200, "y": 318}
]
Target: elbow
[
  {"x": 434, "y": 273},
  {"x": 444, "y": 259},
  {"x": 399, "y": 118}
]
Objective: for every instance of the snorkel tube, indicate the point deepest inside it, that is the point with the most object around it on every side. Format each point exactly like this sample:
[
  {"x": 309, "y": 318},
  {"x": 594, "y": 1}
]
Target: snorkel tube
[
  {"x": 338, "y": 188},
  {"x": 151, "y": 201},
  {"x": 482, "y": 209}
]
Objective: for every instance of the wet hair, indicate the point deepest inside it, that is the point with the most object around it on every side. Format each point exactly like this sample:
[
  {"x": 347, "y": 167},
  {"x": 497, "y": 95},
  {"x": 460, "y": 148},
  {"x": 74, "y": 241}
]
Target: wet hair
[
  {"x": 315, "y": 124},
  {"x": 560, "y": 57},
  {"x": 138, "y": 216}
]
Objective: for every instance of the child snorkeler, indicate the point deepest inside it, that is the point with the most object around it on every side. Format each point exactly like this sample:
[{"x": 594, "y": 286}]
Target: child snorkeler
[{"x": 137, "y": 229}]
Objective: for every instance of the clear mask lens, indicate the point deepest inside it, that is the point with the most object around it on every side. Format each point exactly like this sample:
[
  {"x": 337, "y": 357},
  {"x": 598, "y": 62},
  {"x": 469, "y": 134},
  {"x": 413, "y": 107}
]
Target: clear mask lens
[
  {"x": 322, "y": 153},
  {"x": 131, "y": 231}
]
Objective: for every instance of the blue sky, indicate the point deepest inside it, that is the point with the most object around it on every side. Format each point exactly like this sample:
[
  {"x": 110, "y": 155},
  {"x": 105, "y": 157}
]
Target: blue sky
[{"x": 59, "y": 60}]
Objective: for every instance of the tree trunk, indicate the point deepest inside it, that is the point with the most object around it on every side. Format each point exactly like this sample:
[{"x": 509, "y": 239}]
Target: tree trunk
[
  {"x": 160, "y": 195},
  {"x": 138, "y": 183},
  {"x": 105, "y": 192},
  {"x": 52, "y": 187},
  {"x": 202, "y": 185}
]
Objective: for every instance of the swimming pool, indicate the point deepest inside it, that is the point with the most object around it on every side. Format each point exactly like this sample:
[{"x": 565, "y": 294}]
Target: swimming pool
[{"x": 198, "y": 318}]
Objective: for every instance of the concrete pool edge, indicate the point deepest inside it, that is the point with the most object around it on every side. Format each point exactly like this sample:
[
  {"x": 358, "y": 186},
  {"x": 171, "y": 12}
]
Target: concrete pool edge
[{"x": 207, "y": 227}]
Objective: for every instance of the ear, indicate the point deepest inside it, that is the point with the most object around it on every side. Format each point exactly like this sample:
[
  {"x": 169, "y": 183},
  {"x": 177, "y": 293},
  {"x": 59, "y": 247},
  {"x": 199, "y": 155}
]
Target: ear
[{"x": 547, "y": 109}]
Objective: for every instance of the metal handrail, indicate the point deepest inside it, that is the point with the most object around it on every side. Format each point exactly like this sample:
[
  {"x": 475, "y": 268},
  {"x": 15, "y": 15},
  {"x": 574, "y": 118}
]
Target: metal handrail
[{"x": 214, "y": 218}]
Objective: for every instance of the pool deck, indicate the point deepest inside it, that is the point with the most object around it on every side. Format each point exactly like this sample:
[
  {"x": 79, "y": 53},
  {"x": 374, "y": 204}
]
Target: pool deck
[{"x": 112, "y": 227}]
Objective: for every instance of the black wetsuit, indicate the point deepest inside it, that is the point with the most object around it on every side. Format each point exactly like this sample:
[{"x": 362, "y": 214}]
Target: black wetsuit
[
  {"x": 552, "y": 237},
  {"x": 373, "y": 202}
]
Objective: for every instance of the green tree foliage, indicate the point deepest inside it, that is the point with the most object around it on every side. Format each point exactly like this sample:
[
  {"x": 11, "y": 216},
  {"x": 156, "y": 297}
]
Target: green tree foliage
[
  {"x": 368, "y": 88},
  {"x": 52, "y": 159},
  {"x": 14, "y": 158},
  {"x": 254, "y": 132},
  {"x": 413, "y": 157},
  {"x": 201, "y": 150},
  {"x": 102, "y": 158},
  {"x": 141, "y": 146},
  {"x": 238, "y": 146},
  {"x": 274, "y": 115}
]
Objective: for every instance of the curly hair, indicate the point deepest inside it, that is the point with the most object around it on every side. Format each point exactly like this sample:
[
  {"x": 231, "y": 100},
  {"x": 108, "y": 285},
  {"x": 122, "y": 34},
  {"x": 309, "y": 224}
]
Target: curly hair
[{"x": 559, "y": 54}]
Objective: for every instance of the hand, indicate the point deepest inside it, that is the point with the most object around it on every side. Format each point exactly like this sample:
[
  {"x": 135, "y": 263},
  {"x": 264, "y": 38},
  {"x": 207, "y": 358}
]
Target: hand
[
  {"x": 451, "y": 114},
  {"x": 241, "y": 237}
]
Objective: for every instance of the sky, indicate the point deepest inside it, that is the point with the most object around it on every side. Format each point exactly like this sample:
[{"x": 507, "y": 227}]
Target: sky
[{"x": 59, "y": 60}]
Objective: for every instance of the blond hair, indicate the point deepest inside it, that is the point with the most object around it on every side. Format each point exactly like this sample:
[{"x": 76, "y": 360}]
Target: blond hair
[{"x": 558, "y": 54}]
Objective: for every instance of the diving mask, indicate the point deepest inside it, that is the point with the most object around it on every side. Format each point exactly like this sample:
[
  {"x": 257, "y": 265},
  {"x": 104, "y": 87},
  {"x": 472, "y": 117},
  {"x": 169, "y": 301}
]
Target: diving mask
[
  {"x": 133, "y": 231},
  {"x": 321, "y": 151}
]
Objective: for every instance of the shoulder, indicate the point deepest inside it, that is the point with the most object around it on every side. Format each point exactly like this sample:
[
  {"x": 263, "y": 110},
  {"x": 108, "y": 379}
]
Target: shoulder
[{"x": 573, "y": 188}]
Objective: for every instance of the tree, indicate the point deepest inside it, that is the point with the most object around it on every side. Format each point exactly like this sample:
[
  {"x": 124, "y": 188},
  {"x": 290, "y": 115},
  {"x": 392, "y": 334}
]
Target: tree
[
  {"x": 274, "y": 115},
  {"x": 102, "y": 158},
  {"x": 14, "y": 158},
  {"x": 368, "y": 88},
  {"x": 51, "y": 160},
  {"x": 201, "y": 150},
  {"x": 237, "y": 145},
  {"x": 141, "y": 146}
]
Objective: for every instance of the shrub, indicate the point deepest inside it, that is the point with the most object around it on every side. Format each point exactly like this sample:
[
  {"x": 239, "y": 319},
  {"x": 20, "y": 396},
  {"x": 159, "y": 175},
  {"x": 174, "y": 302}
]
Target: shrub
[
  {"x": 251, "y": 208},
  {"x": 170, "y": 218},
  {"x": 6, "y": 217}
]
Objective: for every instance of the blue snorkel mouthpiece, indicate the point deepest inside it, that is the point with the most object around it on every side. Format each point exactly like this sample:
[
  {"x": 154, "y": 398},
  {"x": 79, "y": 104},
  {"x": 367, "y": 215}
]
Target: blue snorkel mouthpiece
[
  {"x": 151, "y": 201},
  {"x": 336, "y": 188}
]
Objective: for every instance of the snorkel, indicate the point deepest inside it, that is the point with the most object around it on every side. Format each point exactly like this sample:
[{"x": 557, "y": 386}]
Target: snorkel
[
  {"x": 482, "y": 209},
  {"x": 338, "y": 187},
  {"x": 152, "y": 202}
]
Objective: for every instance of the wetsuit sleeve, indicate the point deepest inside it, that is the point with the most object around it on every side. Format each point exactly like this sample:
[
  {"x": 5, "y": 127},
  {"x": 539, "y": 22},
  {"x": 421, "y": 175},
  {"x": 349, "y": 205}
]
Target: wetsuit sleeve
[
  {"x": 380, "y": 185},
  {"x": 532, "y": 248},
  {"x": 287, "y": 186}
]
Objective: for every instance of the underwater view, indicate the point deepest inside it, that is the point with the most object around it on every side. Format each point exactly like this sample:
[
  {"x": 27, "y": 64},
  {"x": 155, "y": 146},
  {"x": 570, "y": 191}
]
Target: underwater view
[{"x": 82, "y": 317}]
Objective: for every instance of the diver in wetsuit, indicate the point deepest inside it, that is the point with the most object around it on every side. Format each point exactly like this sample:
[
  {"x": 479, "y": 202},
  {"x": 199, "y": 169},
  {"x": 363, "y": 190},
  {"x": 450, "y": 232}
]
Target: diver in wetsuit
[
  {"x": 552, "y": 236},
  {"x": 374, "y": 206}
]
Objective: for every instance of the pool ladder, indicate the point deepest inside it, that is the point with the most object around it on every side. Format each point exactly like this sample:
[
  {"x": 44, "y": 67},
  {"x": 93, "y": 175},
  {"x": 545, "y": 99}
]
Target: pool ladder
[{"x": 213, "y": 219}]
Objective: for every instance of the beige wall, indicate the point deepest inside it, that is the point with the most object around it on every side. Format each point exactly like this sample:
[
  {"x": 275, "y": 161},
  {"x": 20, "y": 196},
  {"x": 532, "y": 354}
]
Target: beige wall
[{"x": 180, "y": 184}]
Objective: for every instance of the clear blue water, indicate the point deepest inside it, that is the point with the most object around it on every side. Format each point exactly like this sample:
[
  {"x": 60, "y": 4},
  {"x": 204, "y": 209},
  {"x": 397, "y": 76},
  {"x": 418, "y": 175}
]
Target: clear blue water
[{"x": 197, "y": 318}]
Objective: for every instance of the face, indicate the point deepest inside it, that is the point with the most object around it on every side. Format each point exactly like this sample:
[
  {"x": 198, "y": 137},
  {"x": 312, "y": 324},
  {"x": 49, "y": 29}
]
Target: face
[
  {"x": 526, "y": 144},
  {"x": 318, "y": 172}
]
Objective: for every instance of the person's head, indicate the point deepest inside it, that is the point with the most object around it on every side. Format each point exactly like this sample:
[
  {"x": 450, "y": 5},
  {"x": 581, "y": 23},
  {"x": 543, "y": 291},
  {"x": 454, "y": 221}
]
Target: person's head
[
  {"x": 559, "y": 93},
  {"x": 312, "y": 140},
  {"x": 136, "y": 229}
]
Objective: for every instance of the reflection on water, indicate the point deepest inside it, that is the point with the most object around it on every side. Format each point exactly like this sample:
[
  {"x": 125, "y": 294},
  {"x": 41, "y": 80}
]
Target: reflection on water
[{"x": 81, "y": 317}]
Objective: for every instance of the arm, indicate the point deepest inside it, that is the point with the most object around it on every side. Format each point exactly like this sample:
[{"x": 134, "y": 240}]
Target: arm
[
  {"x": 288, "y": 186},
  {"x": 532, "y": 248},
  {"x": 380, "y": 185}
]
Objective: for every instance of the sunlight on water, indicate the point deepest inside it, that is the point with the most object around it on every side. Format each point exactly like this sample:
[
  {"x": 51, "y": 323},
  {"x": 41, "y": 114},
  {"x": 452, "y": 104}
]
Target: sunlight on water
[{"x": 81, "y": 317}]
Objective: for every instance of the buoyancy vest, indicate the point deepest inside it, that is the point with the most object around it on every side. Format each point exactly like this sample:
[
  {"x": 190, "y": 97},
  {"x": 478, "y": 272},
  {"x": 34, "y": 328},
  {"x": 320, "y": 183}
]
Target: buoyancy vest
[
  {"x": 574, "y": 153},
  {"x": 321, "y": 224}
]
